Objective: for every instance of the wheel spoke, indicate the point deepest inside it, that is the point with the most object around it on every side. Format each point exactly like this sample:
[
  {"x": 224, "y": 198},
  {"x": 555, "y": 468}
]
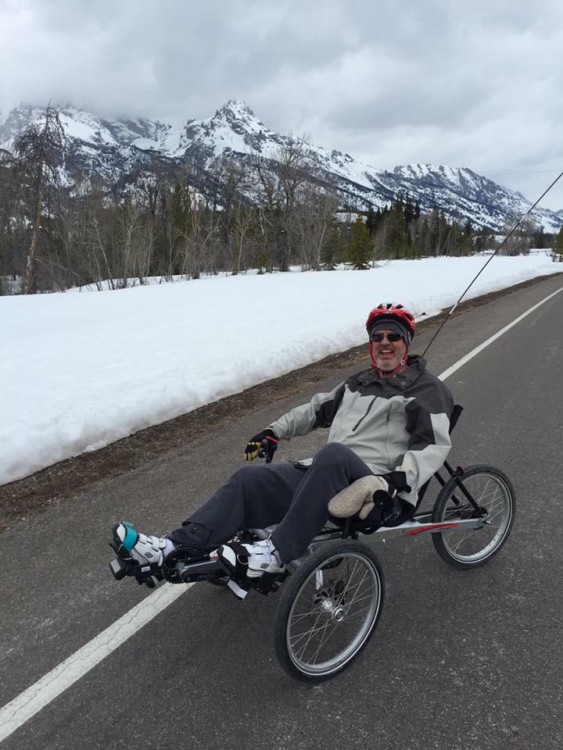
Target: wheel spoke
[
  {"x": 333, "y": 612},
  {"x": 310, "y": 634},
  {"x": 492, "y": 492}
]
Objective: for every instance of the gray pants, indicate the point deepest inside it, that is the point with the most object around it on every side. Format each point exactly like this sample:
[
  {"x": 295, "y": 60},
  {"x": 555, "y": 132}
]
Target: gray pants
[{"x": 257, "y": 496}]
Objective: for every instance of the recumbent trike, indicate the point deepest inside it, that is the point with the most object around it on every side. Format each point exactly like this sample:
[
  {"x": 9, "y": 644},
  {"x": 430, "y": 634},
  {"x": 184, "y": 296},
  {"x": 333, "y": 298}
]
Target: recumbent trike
[{"x": 331, "y": 599}]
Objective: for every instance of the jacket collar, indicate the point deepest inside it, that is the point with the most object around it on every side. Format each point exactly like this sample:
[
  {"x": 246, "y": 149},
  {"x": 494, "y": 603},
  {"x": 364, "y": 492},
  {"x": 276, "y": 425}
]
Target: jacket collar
[{"x": 416, "y": 365}]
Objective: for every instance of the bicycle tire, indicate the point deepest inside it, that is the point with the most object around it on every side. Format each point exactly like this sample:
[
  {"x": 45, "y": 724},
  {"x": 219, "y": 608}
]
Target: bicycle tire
[
  {"x": 321, "y": 601},
  {"x": 493, "y": 491}
]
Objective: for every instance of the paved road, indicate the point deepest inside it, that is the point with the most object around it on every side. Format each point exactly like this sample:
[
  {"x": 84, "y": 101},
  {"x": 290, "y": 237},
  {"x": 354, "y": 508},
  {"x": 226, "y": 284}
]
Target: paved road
[{"x": 460, "y": 659}]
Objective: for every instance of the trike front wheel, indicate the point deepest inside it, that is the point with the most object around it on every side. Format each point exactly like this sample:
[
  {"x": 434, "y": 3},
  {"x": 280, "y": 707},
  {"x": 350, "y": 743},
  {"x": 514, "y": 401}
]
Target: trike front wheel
[
  {"x": 328, "y": 610},
  {"x": 493, "y": 494}
]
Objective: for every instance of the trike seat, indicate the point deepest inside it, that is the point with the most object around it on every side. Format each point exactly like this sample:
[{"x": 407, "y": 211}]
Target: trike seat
[{"x": 351, "y": 508}]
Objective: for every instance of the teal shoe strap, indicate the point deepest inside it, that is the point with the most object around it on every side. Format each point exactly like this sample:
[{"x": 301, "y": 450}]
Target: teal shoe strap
[{"x": 131, "y": 537}]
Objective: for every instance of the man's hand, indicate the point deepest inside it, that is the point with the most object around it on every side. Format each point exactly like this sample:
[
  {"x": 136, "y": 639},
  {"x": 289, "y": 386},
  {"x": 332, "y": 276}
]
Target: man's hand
[
  {"x": 392, "y": 509},
  {"x": 262, "y": 445}
]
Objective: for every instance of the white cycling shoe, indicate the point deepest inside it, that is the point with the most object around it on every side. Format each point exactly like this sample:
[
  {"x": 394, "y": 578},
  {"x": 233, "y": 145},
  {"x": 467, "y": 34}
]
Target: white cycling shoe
[
  {"x": 143, "y": 548},
  {"x": 252, "y": 559}
]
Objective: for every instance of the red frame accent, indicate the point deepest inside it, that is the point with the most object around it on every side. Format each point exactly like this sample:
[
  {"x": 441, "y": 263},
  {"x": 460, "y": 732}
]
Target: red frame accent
[{"x": 429, "y": 527}]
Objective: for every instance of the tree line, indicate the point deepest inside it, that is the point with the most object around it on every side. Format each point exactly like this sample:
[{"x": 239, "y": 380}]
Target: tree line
[{"x": 166, "y": 222}]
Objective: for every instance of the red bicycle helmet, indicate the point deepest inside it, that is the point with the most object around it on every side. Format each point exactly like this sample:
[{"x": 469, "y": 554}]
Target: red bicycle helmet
[{"x": 391, "y": 312}]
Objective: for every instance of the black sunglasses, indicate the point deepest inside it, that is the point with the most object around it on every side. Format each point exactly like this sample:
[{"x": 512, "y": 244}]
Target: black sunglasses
[{"x": 390, "y": 337}]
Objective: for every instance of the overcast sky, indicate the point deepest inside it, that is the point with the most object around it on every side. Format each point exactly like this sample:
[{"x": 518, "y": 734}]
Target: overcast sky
[{"x": 476, "y": 83}]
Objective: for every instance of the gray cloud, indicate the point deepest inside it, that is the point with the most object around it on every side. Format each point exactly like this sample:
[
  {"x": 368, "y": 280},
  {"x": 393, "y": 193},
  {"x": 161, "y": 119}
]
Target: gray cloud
[{"x": 468, "y": 84}]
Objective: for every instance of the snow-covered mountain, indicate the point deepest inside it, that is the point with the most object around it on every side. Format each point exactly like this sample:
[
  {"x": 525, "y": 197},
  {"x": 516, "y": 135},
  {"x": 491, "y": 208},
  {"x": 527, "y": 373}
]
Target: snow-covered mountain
[
  {"x": 116, "y": 150},
  {"x": 96, "y": 148}
]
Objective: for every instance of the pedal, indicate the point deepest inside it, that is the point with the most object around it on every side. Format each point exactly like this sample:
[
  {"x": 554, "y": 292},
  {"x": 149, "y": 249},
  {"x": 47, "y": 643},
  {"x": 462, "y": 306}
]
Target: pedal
[
  {"x": 143, "y": 574},
  {"x": 118, "y": 568},
  {"x": 144, "y": 577},
  {"x": 269, "y": 582}
]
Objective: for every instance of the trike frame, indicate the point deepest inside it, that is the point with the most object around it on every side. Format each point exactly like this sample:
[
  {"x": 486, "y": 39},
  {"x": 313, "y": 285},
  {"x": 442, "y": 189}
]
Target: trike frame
[{"x": 469, "y": 522}]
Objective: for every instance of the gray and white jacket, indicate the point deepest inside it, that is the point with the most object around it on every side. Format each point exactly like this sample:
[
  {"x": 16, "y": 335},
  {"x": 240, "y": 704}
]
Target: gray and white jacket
[{"x": 393, "y": 424}]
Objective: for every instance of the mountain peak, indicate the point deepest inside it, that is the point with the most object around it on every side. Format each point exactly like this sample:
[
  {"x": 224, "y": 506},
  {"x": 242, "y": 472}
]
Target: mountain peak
[
  {"x": 236, "y": 108},
  {"x": 237, "y": 115}
]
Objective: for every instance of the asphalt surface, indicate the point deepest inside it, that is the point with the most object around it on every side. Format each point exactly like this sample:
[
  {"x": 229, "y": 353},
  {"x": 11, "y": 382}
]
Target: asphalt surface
[{"x": 460, "y": 659}]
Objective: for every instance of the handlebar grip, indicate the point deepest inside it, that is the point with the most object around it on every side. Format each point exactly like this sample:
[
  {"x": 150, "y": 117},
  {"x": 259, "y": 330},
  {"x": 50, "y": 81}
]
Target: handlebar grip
[{"x": 267, "y": 449}]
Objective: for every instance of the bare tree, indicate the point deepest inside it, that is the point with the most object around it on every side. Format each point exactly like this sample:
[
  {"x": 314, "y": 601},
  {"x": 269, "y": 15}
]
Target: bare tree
[
  {"x": 313, "y": 222},
  {"x": 244, "y": 219},
  {"x": 280, "y": 178},
  {"x": 39, "y": 152},
  {"x": 230, "y": 175},
  {"x": 10, "y": 227},
  {"x": 134, "y": 242},
  {"x": 292, "y": 178},
  {"x": 519, "y": 241}
]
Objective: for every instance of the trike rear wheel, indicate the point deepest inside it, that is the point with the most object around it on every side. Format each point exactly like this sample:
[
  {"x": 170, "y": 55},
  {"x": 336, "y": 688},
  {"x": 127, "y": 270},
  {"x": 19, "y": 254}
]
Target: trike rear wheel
[
  {"x": 493, "y": 493},
  {"x": 329, "y": 608}
]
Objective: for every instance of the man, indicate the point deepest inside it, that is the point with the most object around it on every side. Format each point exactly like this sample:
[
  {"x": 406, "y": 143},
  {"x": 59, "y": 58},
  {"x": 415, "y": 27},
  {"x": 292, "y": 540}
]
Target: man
[{"x": 390, "y": 421}]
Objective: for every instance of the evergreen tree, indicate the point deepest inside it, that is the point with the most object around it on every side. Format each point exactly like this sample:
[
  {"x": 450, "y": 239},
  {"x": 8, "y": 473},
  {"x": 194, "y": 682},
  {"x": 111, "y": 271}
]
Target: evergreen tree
[
  {"x": 396, "y": 236},
  {"x": 371, "y": 221},
  {"x": 483, "y": 240},
  {"x": 424, "y": 237},
  {"x": 360, "y": 248},
  {"x": 334, "y": 247},
  {"x": 539, "y": 239},
  {"x": 409, "y": 210},
  {"x": 557, "y": 254},
  {"x": 433, "y": 243},
  {"x": 443, "y": 234}
]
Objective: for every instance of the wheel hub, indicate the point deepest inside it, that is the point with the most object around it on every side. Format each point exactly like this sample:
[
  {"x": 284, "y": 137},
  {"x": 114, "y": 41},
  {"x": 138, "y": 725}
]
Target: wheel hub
[{"x": 336, "y": 611}]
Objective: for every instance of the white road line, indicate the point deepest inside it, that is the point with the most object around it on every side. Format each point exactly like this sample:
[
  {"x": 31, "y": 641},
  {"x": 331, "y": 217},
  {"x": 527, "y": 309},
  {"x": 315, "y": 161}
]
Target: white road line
[
  {"x": 464, "y": 360},
  {"x": 14, "y": 714},
  {"x": 32, "y": 700}
]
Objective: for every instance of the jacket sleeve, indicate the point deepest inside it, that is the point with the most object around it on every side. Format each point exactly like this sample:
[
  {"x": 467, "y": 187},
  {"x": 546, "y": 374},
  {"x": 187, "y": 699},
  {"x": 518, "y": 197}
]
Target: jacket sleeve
[
  {"x": 319, "y": 412},
  {"x": 428, "y": 425}
]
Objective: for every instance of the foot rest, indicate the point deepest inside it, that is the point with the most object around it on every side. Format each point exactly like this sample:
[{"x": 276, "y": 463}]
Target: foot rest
[
  {"x": 142, "y": 573},
  {"x": 118, "y": 568}
]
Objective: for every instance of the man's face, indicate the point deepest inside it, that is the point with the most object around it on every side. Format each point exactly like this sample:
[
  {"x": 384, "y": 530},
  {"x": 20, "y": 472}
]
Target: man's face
[{"x": 387, "y": 353}]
